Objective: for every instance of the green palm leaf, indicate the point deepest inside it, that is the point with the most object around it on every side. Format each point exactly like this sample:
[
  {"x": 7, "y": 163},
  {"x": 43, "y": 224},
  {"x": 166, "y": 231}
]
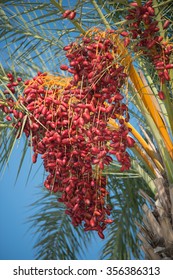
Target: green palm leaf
[
  {"x": 121, "y": 239},
  {"x": 56, "y": 236}
]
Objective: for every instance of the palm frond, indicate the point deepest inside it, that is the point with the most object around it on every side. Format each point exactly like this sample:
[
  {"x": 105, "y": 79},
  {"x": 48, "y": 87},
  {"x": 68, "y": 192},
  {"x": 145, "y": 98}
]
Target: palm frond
[
  {"x": 121, "y": 238},
  {"x": 57, "y": 238}
]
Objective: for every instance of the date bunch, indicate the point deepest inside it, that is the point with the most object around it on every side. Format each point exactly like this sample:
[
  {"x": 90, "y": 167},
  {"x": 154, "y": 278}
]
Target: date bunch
[
  {"x": 66, "y": 120},
  {"x": 144, "y": 32}
]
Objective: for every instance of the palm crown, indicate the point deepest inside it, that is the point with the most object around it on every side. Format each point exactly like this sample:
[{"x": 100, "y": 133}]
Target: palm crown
[{"x": 118, "y": 88}]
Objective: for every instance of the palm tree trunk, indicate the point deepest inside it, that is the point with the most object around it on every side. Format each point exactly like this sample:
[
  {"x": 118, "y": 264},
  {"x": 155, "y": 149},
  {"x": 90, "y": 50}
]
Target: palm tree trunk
[{"x": 156, "y": 233}]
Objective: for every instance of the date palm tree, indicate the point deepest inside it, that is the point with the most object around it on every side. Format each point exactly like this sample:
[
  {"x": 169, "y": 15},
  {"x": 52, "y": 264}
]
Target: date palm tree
[{"x": 33, "y": 35}]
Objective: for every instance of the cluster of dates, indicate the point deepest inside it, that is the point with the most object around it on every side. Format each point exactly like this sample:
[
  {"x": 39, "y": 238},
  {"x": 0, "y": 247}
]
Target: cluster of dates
[
  {"x": 9, "y": 106},
  {"x": 69, "y": 14},
  {"x": 143, "y": 27},
  {"x": 68, "y": 124}
]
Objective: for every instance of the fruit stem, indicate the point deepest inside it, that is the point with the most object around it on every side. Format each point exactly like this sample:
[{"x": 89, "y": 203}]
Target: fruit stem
[
  {"x": 101, "y": 14},
  {"x": 159, "y": 19},
  {"x": 139, "y": 2},
  {"x": 168, "y": 106},
  {"x": 146, "y": 98}
]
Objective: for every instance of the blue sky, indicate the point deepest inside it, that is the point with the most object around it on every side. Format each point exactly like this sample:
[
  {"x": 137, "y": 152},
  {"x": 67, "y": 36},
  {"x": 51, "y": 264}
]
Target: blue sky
[{"x": 15, "y": 241}]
